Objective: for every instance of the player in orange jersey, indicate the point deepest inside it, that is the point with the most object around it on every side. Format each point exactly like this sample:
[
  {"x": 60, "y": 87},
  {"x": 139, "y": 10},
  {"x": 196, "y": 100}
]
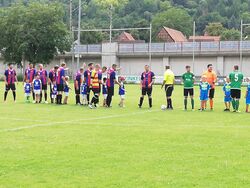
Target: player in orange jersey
[{"x": 211, "y": 79}]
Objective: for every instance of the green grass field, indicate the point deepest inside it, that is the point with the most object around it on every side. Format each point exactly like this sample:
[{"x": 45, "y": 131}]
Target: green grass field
[{"x": 71, "y": 146}]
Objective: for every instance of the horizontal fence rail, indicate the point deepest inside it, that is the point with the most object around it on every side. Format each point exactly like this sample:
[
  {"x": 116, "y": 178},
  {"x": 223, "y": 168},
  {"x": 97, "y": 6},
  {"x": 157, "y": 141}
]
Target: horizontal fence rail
[
  {"x": 181, "y": 47},
  {"x": 185, "y": 47},
  {"x": 91, "y": 48}
]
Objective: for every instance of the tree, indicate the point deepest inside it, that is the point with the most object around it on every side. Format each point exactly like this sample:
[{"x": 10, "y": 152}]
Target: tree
[
  {"x": 91, "y": 37},
  {"x": 108, "y": 3},
  {"x": 203, "y": 21},
  {"x": 174, "y": 18},
  {"x": 230, "y": 34},
  {"x": 214, "y": 29},
  {"x": 35, "y": 33}
]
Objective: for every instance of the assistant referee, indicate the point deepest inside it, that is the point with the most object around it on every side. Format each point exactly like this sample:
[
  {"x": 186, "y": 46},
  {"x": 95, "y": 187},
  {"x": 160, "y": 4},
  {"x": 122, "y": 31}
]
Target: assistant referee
[{"x": 168, "y": 82}]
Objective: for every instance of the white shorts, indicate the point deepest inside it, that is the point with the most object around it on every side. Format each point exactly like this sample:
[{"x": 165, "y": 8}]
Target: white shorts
[
  {"x": 37, "y": 91},
  {"x": 122, "y": 96},
  {"x": 53, "y": 96},
  {"x": 66, "y": 94},
  {"x": 27, "y": 94},
  {"x": 84, "y": 96},
  {"x": 105, "y": 96}
]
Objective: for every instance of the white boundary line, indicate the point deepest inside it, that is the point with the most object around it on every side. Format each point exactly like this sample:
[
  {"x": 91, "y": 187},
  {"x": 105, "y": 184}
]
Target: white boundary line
[
  {"x": 76, "y": 120},
  {"x": 20, "y": 119}
]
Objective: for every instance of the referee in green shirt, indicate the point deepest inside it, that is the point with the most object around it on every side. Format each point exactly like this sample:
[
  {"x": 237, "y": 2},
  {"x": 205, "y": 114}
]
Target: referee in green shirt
[{"x": 188, "y": 81}]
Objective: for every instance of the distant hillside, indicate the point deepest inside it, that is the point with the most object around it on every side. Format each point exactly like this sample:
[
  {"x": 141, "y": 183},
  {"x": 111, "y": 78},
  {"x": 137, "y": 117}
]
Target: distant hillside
[{"x": 178, "y": 14}]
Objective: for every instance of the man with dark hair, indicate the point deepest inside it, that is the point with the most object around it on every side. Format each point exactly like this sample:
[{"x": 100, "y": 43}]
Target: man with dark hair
[
  {"x": 77, "y": 84},
  {"x": 44, "y": 79},
  {"x": 211, "y": 79},
  {"x": 147, "y": 81},
  {"x": 30, "y": 75},
  {"x": 60, "y": 80},
  {"x": 52, "y": 79},
  {"x": 111, "y": 81},
  {"x": 104, "y": 69},
  {"x": 87, "y": 79},
  {"x": 236, "y": 79},
  {"x": 168, "y": 82},
  {"x": 188, "y": 81},
  {"x": 10, "y": 78}
]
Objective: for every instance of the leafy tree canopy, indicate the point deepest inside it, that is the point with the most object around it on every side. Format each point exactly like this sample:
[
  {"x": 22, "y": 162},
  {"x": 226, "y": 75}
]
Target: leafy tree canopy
[{"x": 34, "y": 32}]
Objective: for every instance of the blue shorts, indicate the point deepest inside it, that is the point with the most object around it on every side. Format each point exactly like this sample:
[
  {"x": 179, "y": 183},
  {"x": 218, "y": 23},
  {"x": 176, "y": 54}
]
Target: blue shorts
[
  {"x": 227, "y": 99},
  {"x": 247, "y": 100},
  {"x": 204, "y": 96}
]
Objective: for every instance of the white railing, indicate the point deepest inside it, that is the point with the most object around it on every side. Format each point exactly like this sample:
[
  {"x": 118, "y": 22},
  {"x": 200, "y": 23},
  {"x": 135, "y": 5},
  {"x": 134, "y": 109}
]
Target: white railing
[
  {"x": 181, "y": 47},
  {"x": 185, "y": 47}
]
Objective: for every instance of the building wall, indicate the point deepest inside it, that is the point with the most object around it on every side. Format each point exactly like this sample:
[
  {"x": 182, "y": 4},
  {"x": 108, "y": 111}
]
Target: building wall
[
  {"x": 222, "y": 65},
  {"x": 135, "y": 66}
]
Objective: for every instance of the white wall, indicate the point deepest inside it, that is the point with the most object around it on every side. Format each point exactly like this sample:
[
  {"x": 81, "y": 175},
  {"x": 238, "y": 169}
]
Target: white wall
[{"x": 135, "y": 66}]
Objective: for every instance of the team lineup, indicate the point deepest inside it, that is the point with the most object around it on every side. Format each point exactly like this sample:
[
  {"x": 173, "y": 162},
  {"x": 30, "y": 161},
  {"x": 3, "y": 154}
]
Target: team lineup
[{"x": 89, "y": 79}]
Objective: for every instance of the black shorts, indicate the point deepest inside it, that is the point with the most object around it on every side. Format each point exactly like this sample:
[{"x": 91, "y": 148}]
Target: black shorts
[
  {"x": 77, "y": 91},
  {"x": 211, "y": 93},
  {"x": 111, "y": 91},
  {"x": 147, "y": 91},
  {"x": 60, "y": 87},
  {"x": 50, "y": 87},
  {"x": 235, "y": 93},
  {"x": 169, "y": 90},
  {"x": 44, "y": 87},
  {"x": 189, "y": 92},
  {"x": 96, "y": 90},
  {"x": 88, "y": 89},
  {"x": 10, "y": 86}
]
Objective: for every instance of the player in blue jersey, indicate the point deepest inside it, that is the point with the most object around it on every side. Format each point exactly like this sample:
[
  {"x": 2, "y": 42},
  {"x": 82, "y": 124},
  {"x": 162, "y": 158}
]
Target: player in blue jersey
[
  {"x": 66, "y": 90},
  {"x": 122, "y": 91},
  {"x": 84, "y": 92},
  {"x": 104, "y": 91},
  {"x": 27, "y": 90},
  {"x": 37, "y": 86},
  {"x": 204, "y": 92},
  {"x": 227, "y": 94},
  {"x": 248, "y": 96},
  {"x": 54, "y": 92}
]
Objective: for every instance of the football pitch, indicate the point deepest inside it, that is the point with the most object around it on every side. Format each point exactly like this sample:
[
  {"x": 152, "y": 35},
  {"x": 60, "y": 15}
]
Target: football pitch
[{"x": 44, "y": 145}]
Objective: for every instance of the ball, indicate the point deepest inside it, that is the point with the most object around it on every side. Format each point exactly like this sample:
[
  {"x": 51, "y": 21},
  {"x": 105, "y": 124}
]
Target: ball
[{"x": 163, "y": 107}]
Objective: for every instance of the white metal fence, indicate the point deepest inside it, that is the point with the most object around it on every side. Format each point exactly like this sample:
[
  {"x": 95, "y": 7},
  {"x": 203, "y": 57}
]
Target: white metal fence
[{"x": 181, "y": 47}]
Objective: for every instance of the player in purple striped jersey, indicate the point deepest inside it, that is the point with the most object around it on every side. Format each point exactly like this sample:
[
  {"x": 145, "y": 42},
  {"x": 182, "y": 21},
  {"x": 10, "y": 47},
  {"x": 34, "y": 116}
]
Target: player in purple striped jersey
[
  {"x": 44, "y": 79},
  {"x": 10, "y": 79},
  {"x": 60, "y": 80}
]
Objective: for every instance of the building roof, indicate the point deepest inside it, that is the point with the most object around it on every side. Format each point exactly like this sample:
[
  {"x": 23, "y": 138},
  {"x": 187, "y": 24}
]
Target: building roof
[
  {"x": 205, "y": 38},
  {"x": 176, "y": 35},
  {"x": 125, "y": 37}
]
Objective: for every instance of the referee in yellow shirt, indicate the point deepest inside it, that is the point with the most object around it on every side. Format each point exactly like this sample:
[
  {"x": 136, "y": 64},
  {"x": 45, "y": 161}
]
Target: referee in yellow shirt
[{"x": 169, "y": 86}]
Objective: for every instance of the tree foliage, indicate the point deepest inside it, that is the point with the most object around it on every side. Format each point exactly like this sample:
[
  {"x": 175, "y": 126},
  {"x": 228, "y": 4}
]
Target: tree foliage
[
  {"x": 175, "y": 18},
  {"x": 230, "y": 34},
  {"x": 35, "y": 32},
  {"x": 131, "y": 13},
  {"x": 214, "y": 29}
]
